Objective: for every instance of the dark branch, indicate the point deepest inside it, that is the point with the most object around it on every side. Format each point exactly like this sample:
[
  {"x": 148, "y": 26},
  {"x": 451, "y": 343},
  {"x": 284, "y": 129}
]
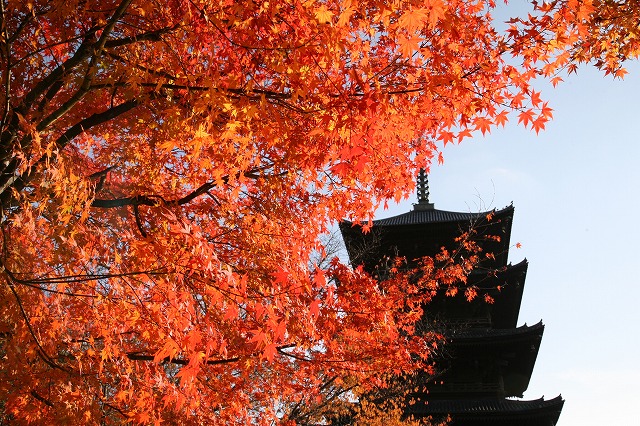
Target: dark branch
[
  {"x": 135, "y": 356},
  {"x": 136, "y": 212},
  {"x": 41, "y": 398},
  {"x": 41, "y": 352},
  {"x": 94, "y": 120},
  {"x": 138, "y": 356},
  {"x": 83, "y": 51},
  {"x": 9, "y": 180},
  {"x": 151, "y": 200},
  {"x": 138, "y": 200},
  {"x": 96, "y": 52},
  {"x": 150, "y": 36}
]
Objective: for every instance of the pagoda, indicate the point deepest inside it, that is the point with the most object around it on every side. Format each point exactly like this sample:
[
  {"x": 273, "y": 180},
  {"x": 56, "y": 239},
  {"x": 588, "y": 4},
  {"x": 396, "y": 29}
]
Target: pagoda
[{"x": 488, "y": 359}]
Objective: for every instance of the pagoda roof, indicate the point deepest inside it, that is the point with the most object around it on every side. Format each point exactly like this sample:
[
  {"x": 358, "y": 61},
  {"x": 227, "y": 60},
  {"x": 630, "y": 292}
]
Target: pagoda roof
[
  {"x": 532, "y": 412},
  {"x": 424, "y": 232},
  {"x": 515, "y": 350},
  {"x": 507, "y": 300},
  {"x": 416, "y": 217},
  {"x": 505, "y": 286},
  {"x": 427, "y": 216},
  {"x": 483, "y": 336}
]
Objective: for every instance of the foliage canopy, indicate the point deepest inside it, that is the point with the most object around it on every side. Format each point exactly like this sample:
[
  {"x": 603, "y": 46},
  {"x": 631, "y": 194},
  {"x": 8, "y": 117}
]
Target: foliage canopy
[{"x": 167, "y": 168}]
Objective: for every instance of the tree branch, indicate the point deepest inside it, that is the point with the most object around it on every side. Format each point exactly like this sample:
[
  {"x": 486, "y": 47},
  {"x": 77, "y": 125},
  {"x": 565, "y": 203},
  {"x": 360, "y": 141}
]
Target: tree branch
[
  {"x": 154, "y": 200},
  {"x": 41, "y": 352},
  {"x": 10, "y": 180},
  {"x": 42, "y": 399},
  {"x": 81, "y": 54},
  {"x": 97, "y": 50},
  {"x": 136, "y": 213},
  {"x": 45, "y": 85},
  {"x": 94, "y": 120},
  {"x": 150, "y": 36},
  {"x": 136, "y": 356}
]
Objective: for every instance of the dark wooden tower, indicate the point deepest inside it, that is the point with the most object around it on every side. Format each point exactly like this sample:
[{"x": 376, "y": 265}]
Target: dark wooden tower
[{"x": 488, "y": 359}]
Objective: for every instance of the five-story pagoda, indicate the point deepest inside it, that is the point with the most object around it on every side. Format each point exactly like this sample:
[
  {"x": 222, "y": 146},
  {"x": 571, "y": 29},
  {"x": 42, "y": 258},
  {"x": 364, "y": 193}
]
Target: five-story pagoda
[{"x": 488, "y": 360}]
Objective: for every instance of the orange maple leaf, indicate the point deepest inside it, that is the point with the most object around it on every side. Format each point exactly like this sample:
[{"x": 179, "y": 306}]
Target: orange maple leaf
[{"x": 323, "y": 14}]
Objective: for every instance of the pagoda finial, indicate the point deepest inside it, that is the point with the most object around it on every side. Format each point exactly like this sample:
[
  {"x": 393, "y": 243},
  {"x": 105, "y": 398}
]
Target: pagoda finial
[{"x": 423, "y": 192}]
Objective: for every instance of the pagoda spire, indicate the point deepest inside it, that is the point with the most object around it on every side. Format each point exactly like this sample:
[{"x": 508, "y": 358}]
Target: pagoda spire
[{"x": 423, "y": 192}]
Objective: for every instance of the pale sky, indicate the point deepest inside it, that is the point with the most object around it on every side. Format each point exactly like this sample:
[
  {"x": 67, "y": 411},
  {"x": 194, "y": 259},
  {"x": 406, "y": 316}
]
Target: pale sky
[{"x": 576, "y": 192}]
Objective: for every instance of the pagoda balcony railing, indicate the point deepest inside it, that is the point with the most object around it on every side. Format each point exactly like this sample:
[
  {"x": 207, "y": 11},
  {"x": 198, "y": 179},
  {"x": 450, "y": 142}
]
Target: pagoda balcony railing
[
  {"x": 464, "y": 387},
  {"x": 462, "y": 323}
]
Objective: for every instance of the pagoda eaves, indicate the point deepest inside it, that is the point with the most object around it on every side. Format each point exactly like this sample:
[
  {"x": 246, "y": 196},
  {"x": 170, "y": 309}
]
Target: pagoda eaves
[{"x": 487, "y": 358}]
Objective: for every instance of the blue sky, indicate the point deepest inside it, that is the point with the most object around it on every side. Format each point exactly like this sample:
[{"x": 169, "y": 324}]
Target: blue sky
[{"x": 576, "y": 191}]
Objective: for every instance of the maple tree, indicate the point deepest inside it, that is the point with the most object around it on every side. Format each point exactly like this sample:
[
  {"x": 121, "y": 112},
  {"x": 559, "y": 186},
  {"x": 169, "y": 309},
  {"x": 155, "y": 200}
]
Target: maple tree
[{"x": 168, "y": 167}]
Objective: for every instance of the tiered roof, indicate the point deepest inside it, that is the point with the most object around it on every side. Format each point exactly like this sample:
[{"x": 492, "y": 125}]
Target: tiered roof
[
  {"x": 421, "y": 233},
  {"x": 495, "y": 412},
  {"x": 487, "y": 357}
]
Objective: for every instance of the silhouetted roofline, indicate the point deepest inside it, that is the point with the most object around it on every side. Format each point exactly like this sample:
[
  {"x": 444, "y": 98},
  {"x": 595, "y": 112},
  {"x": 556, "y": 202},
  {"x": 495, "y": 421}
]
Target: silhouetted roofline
[
  {"x": 419, "y": 217},
  {"x": 486, "y": 336},
  {"x": 489, "y": 406}
]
